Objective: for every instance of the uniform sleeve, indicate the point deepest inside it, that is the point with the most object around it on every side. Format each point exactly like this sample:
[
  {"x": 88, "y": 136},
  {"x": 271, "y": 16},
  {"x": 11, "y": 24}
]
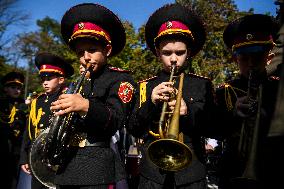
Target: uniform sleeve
[
  {"x": 143, "y": 114},
  {"x": 26, "y": 141},
  {"x": 224, "y": 119},
  {"x": 199, "y": 116},
  {"x": 108, "y": 115},
  {"x": 25, "y": 148}
]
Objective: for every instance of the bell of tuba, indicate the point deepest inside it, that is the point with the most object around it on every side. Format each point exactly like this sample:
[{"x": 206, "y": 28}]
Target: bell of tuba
[
  {"x": 48, "y": 150},
  {"x": 168, "y": 153}
]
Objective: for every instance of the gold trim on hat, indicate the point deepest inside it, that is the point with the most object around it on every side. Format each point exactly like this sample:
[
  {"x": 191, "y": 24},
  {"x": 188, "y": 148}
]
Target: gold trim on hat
[
  {"x": 86, "y": 33},
  {"x": 269, "y": 42},
  {"x": 14, "y": 81},
  {"x": 175, "y": 31},
  {"x": 51, "y": 71},
  {"x": 249, "y": 36}
]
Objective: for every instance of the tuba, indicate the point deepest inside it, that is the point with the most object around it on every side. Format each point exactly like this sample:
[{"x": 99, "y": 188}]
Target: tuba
[
  {"x": 168, "y": 153},
  {"x": 48, "y": 150}
]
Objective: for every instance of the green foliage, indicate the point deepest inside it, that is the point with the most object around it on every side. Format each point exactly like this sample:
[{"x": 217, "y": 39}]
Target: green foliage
[
  {"x": 9, "y": 17},
  {"x": 214, "y": 58},
  {"x": 213, "y": 61},
  {"x": 46, "y": 39},
  {"x": 135, "y": 57}
]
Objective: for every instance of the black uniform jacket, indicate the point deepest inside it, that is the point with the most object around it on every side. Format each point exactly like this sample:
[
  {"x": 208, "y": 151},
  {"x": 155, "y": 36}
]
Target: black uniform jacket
[
  {"x": 229, "y": 128},
  {"x": 12, "y": 126},
  {"x": 109, "y": 93},
  {"x": 39, "y": 119},
  {"x": 12, "y": 119},
  {"x": 198, "y": 96}
]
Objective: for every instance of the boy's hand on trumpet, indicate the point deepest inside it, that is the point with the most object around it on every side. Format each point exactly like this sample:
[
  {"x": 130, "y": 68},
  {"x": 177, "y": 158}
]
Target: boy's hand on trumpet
[
  {"x": 183, "y": 107},
  {"x": 162, "y": 92}
]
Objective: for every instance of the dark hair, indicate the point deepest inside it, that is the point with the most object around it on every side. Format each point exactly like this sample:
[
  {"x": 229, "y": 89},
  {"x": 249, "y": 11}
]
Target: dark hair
[{"x": 72, "y": 43}]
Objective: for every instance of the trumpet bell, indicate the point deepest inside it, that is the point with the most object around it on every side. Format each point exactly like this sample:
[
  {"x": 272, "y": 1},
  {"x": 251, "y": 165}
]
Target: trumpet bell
[
  {"x": 169, "y": 154},
  {"x": 44, "y": 172}
]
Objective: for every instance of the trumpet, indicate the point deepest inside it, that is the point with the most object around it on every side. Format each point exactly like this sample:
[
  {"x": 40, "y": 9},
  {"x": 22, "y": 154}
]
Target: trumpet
[
  {"x": 168, "y": 153},
  {"x": 250, "y": 137}
]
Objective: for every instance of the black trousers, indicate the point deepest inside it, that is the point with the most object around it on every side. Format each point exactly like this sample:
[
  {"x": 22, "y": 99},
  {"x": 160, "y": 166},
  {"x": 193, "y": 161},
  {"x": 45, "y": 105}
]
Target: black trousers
[
  {"x": 35, "y": 184},
  {"x": 170, "y": 184},
  {"x": 82, "y": 187}
]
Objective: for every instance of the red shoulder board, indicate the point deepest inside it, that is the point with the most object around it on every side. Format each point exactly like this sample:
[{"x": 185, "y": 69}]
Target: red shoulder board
[
  {"x": 199, "y": 76},
  {"x": 147, "y": 79},
  {"x": 125, "y": 92},
  {"x": 274, "y": 78},
  {"x": 119, "y": 69}
]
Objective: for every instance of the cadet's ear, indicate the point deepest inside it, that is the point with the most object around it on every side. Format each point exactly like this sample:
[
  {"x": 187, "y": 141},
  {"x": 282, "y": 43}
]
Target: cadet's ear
[
  {"x": 234, "y": 57},
  {"x": 5, "y": 89},
  {"x": 158, "y": 52},
  {"x": 108, "y": 49},
  {"x": 61, "y": 80},
  {"x": 188, "y": 51}
]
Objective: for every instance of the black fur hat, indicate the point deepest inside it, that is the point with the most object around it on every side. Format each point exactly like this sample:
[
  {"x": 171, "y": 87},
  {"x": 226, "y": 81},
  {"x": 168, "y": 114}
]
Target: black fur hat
[
  {"x": 13, "y": 78},
  {"x": 94, "y": 21},
  {"x": 48, "y": 63},
  {"x": 254, "y": 32},
  {"x": 175, "y": 19}
]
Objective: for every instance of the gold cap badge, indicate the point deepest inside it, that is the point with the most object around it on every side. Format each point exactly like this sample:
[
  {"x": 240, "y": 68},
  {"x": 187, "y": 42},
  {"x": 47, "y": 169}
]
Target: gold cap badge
[
  {"x": 81, "y": 25},
  {"x": 249, "y": 36},
  {"x": 169, "y": 24}
]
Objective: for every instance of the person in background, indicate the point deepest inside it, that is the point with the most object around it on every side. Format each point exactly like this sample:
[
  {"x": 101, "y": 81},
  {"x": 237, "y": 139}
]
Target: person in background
[
  {"x": 12, "y": 119},
  {"x": 53, "y": 70},
  {"x": 174, "y": 34},
  {"x": 95, "y": 33},
  {"x": 274, "y": 63},
  {"x": 24, "y": 180},
  {"x": 246, "y": 106}
]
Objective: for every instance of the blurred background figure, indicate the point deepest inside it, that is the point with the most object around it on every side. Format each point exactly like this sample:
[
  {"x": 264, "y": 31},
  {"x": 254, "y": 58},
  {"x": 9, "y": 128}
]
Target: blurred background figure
[
  {"x": 24, "y": 180},
  {"x": 246, "y": 106},
  {"x": 12, "y": 118}
]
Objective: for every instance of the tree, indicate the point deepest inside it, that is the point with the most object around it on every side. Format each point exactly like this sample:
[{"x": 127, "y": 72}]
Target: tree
[
  {"x": 8, "y": 17},
  {"x": 146, "y": 63},
  {"x": 214, "y": 61},
  {"x": 46, "y": 39},
  {"x": 135, "y": 56}
]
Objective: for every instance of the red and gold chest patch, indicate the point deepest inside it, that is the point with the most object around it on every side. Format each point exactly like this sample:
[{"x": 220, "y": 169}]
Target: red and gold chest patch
[{"x": 125, "y": 92}]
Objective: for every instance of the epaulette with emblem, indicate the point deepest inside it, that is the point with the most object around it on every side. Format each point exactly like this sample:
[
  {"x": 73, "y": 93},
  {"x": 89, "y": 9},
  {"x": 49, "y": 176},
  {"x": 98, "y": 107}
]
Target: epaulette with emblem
[
  {"x": 274, "y": 78},
  {"x": 149, "y": 79},
  {"x": 40, "y": 95},
  {"x": 199, "y": 76},
  {"x": 119, "y": 69},
  {"x": 223, "y": 85},
  {"x": 34, "y": 117},
  {"x": 143, "y": 89},
  {"x": 229, "y": 92}
]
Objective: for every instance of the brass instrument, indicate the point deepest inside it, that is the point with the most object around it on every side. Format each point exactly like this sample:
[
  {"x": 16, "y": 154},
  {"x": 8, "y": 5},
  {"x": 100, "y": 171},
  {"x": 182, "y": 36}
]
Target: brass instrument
[
  {"x": 168, "y": 153},
  {"x": 49, "y": 148},
  {"x": 249, "y": 138}
]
